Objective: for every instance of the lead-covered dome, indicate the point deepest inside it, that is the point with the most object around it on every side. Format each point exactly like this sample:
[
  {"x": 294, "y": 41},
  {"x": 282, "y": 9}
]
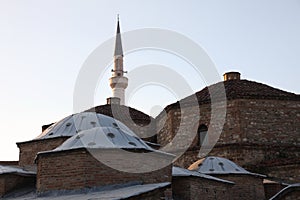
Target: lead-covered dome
[
  {"x": 76, "y": 123},
  {"x": 217, "y": 165},
  {"x": 104, "y": 138}
]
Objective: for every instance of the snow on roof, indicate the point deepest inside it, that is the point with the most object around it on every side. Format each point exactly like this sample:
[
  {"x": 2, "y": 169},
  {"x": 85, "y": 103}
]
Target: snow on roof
[
  {"x": 76, "y": 123},
  {"x": 109, "y": 194},
  {"x": 177, "y": 171},
  {"x": 217, "y": 165},
  {"x": 285, "y": 190},
  {"x": 104, "y": 137},
  {"x": 15, "y": 170}
]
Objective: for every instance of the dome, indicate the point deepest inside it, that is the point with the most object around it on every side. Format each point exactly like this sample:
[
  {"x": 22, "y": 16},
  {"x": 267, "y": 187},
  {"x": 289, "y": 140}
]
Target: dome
[
  {"x": 217, "y": 165},
  {"x": 76, "y": 123},
  {"x": 236, "y": 89},
  {"x": 105, "y": 138},
  {"x": 122, "y": 112}
]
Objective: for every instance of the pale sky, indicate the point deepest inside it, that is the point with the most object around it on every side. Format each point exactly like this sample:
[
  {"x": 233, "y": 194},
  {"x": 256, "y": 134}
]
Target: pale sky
[{"x": 43, "y": 45}]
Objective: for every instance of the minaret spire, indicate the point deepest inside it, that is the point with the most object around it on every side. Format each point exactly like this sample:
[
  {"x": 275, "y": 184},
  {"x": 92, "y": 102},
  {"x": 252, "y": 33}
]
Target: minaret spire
[
  {"x": 118, "y": 82},
  {"x": 118, "y": 46}
]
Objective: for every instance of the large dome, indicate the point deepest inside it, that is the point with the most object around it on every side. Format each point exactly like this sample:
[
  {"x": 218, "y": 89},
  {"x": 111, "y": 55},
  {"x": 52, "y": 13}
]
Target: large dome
[
  {"x": 122, "y": 113},
  {"x": 76, "y": 123},
  {"x": 104, "y": 138}
]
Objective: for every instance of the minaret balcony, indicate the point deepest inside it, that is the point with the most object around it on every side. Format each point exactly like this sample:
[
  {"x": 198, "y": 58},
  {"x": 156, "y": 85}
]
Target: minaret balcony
[{"x": 118, "y": 82}]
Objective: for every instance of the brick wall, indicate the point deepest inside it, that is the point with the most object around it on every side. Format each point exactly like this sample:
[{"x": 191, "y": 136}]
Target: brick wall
[
  {"x": 28, "y": 150},
  {"x": 155, "y": 194},
  {"x": 272, "y": 188},
  {"x": 141, "y": 129},
  {"x": 255, "y": 132},
  {"x": 247, "y": 121},
  {"x": 281, "y": 171},
  {"x": 294, "y": 195},
  {"x": 9, "y": 163},
  {"x": 76, "y": 169},
  {"x": 9, "y": 182},
  {"x": 191, "y": 188},
  {"x": 246, "y": 187},
  {"x": 291, "y": 193}
]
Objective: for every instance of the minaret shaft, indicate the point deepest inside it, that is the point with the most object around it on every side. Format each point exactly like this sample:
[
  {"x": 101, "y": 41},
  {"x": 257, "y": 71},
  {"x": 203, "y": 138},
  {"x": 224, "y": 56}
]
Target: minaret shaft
[{"x": 118, "y": 82}]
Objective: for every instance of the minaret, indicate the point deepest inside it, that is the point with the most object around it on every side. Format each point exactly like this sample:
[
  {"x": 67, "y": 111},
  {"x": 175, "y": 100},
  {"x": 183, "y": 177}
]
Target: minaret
[{"x": 118, "y": 82}]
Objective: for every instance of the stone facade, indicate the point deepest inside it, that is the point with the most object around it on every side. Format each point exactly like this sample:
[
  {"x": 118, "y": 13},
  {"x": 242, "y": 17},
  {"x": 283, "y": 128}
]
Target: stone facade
[
  {"x": 78, "y": 169},
  {"x": 191, "y": 188},
  {"x": 257, "y": 133},
  {"x": 28, "y": 150}
]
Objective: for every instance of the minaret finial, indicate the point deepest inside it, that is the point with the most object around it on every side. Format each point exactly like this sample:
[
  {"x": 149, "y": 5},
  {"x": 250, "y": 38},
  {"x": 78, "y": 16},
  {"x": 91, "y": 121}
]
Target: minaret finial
[{"x": 118, "y": 17}]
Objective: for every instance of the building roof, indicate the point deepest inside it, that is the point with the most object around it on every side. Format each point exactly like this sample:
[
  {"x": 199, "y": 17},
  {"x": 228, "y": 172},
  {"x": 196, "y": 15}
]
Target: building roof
[
  {"x": 286, "y": 190},
  {"x": 237, "y": 89},
  {"x": 181, "y": 172},
  {"x": 106, "y": 193},
  {"x": 122, "y": 113},
  {"x": 76, "y": 123},
  {"x": 104, "y": 138},
  {"x": 216, "y": 165},
  {"x": 15, "y": 170}
]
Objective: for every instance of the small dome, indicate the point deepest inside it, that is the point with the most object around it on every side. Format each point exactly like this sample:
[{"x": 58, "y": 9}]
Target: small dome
[
  {"x": 76, "y": 123},
  {"x": 216, "y": 165},
  {"x": 104, "y": 137}
]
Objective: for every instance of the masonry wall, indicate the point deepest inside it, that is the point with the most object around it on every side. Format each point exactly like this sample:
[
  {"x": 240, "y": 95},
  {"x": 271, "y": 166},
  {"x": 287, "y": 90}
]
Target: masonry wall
[
  {"x": 293, "y": 195},
  {"x": 143, "y": 130},
  {"x": 256, "y": 133},
  {"x": 77, "y": 169},
  {"x": 272, "y": 188},
  {"x": 9, "y": 182},
  {"x": 28, "y": 150},
  {"x": 246, "y": 187},
  {"x": 154, "y": 194},
  {"x": 248, "y": 121},
  {"x": 193, "y": 188},
  {"x": 281, "y": 171}
]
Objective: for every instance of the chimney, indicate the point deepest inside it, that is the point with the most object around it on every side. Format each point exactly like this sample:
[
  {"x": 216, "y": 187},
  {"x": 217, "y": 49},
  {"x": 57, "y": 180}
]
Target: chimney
[
  {"x": 113, "y": 100},
  {"x": 44, "y": 127},
  {"x": 232, "y": 76}
]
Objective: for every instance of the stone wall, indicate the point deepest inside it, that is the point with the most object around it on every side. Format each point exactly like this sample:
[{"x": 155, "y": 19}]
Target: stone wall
[
  {"x": 28, "y": 150},
  {"x": 192, "y": 188},
  {"x": 77, "y": 169}
]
